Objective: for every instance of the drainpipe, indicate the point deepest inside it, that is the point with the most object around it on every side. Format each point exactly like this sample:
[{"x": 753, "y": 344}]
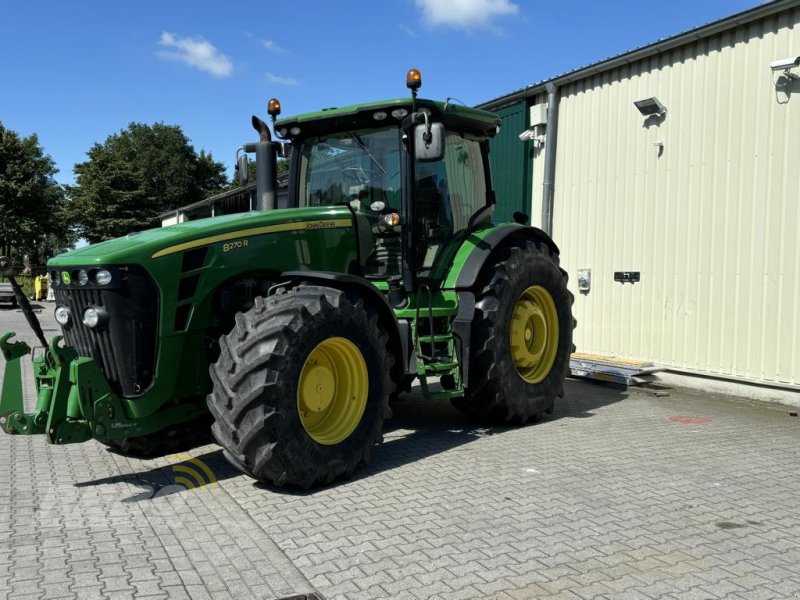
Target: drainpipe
[{"x": 551, "y": 136}]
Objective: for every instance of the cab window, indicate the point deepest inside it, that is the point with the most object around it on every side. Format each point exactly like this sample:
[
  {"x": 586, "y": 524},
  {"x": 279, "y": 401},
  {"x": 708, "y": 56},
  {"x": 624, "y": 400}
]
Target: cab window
[{"x": 446, "y": 194}]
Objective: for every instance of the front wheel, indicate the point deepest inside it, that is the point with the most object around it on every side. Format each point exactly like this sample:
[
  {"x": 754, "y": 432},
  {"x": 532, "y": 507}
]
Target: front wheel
[
  {"x": 301, "y": 388},
  {"x": 521, "y": 336}
]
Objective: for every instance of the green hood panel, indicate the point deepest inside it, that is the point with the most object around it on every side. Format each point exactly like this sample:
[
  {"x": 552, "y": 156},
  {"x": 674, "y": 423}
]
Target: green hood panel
[{"x": 154, "y": 243}]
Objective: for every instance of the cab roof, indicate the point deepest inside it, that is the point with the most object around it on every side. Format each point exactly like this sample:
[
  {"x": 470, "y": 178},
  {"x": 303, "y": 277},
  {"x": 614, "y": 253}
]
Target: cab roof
[{"x": 454, "y": 116}]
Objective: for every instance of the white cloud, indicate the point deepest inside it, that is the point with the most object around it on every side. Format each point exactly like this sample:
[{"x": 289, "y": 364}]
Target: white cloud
[
  {"x": 281, "y": 80},
  {"x": 196, "y": 52},
  {"x": 408, "y": 31},
  {"x": 273, "y": 47},
  {"x": 465, "y": 14}
]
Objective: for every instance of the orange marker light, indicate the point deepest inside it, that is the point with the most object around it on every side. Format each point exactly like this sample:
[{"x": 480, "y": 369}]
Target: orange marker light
[
  {"x": 392, "y": 219},
  {"x": 413, "y": 80},
  {"x": 274, "y": 107}
]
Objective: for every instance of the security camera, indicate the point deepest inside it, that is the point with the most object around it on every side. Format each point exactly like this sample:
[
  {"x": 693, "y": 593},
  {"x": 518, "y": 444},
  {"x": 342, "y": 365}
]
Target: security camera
[{"x": 785, "y": 64}]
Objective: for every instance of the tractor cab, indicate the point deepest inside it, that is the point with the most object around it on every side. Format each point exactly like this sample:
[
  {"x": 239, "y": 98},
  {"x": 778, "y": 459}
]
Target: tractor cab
[{"x": 413, "y": 172}]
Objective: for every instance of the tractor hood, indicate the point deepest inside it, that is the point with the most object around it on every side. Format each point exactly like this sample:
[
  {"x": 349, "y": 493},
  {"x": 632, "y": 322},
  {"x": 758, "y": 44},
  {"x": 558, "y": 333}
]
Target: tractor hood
[{"x": 143, "y": 246}]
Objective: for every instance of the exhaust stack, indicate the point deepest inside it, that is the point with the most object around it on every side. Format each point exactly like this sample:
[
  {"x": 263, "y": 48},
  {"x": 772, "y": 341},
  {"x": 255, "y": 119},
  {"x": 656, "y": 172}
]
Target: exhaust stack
[{"x": 266, "y": 166}]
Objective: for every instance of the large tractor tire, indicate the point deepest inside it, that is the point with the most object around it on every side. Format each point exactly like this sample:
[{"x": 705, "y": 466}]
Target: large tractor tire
[
  {"x": 521, "y": 336},
  {"x": 301, "y": 387}
]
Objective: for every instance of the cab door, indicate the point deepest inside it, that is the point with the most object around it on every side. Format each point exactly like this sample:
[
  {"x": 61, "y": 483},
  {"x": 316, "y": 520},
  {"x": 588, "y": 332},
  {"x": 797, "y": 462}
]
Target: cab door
[{"x": 446, "y": 194}]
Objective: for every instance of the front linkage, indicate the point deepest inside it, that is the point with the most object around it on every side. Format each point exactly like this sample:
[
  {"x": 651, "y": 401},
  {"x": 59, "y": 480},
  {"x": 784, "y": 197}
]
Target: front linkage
[
  {"x": 74, "y": 402},
  {"x": 61, "y": 421}
]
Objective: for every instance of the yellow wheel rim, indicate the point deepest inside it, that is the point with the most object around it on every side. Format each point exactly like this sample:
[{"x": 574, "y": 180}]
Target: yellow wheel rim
[
  {"x": 332, "y": 391},
  {"x": 534, "y": 334}
]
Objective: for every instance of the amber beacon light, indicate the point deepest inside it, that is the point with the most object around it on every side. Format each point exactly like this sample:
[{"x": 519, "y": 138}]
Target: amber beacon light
[
  {"x": 413, "y": 81},
  {"x": 274, "y": 107}
]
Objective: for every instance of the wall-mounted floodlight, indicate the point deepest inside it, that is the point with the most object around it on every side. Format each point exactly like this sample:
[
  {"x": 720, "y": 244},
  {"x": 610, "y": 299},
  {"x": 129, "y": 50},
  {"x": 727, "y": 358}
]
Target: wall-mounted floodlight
[{"x": 650, "y": 106}]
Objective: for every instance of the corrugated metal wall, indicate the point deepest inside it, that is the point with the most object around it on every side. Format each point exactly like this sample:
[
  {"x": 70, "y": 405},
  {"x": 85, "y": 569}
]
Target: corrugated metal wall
[
  {"x": 711, "y": 221},
  {"x": 510, "y": 162}
]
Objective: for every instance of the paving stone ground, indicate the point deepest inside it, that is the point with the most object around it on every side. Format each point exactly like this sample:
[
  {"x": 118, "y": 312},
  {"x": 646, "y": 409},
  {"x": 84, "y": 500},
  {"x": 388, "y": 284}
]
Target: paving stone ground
[{"x": 620, "y": 494}]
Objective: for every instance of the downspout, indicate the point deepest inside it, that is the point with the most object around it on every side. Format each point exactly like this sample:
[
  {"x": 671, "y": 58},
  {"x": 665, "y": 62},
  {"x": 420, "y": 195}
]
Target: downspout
[{"x": 551, "y": 137}]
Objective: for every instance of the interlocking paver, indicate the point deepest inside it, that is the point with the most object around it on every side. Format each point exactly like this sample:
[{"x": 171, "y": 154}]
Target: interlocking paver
[{"x": 606, "y": 498}]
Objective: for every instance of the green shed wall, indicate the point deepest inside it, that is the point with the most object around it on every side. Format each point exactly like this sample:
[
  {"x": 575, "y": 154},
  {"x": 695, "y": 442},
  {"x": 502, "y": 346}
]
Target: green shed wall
[{"x": 511, "y": 163}]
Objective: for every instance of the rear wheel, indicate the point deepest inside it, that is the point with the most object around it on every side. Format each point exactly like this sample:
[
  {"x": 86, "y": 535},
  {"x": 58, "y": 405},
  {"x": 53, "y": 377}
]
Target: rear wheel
[
  {"x": 521, "y": 336},
  {"x": 301, "y": 388}
]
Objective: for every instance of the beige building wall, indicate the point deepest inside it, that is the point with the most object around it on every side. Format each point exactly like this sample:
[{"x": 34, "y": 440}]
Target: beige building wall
[{"x": 711, "y": 219}]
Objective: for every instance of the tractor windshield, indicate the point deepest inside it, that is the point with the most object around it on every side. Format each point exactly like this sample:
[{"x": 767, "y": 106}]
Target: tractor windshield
[
  {"x": 355, "y": 167},
  {"x": 360, "y": 168}
]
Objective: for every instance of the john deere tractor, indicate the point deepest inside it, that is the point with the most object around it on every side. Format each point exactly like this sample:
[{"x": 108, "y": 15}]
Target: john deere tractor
[{"x": 289, "y": 329}]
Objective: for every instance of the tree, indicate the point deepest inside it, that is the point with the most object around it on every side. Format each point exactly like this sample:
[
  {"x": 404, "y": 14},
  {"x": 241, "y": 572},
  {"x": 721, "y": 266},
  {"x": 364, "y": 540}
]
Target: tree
[
  {"x": 282, "y": 168},
  {"x": 137, "y": 174},
  {"x": 32, "y": 219}
]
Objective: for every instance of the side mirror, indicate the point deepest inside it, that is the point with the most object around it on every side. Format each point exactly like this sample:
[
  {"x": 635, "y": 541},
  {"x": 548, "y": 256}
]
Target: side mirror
[
  {"x": 429, "y": 142},
  {"x": 241, "y": 168},
  {"x": 284, "y": 149}
]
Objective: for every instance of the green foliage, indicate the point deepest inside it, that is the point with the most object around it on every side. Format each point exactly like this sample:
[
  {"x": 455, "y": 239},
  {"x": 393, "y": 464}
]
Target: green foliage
[
  {"x": 25, "y": 282},
  {"x": 32, "y": 219},
  {"x": 282, "y": 168},
  {"x": 137, "y": 174}
]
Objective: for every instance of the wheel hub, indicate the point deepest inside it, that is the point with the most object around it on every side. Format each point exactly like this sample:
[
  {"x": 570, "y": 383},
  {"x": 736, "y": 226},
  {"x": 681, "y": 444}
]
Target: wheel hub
[
  {"x": 533, "y": 334},
  {"x": 332, "y": 390},
  {"x": 319, "y": 386}
]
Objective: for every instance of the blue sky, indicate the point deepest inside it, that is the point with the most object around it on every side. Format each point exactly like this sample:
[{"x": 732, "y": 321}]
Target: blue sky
[{"x": 76, "y": 72}]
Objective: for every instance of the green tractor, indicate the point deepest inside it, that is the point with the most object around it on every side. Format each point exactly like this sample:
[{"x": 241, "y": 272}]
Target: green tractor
[{"x": 289, "y": 329}]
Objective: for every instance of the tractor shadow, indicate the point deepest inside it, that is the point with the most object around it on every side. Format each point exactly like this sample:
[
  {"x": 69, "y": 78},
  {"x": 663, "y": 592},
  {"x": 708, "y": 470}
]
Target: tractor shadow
[
  {"x": 422, "y": 428},
  {"x": 418, "y": 429},
  {"x": 190, "y": 473}
]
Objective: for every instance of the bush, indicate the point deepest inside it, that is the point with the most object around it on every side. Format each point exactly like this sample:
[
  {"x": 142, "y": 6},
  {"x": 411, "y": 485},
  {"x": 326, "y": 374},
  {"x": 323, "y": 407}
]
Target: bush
[{"x": 25, "y": 282}]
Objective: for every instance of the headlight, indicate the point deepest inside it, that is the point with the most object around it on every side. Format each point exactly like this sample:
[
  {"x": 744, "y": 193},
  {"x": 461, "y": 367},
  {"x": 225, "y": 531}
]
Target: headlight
[
  {"x": 95, "y": 317},
  {"x": 55, "y": 278},
  {"x": 62, "y": 315},
  {"x": 102, "y": 277},
  {"x": 83, "y": 277}
]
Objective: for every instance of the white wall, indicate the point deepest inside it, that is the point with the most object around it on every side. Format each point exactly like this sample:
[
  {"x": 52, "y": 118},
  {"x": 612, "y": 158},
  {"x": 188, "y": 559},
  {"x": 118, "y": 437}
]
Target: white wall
[{"x": 712, "y": 224}]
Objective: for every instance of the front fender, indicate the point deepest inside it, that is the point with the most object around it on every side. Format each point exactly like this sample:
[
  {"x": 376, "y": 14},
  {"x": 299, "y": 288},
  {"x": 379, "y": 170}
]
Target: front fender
[{"x": 399, "y": 343}]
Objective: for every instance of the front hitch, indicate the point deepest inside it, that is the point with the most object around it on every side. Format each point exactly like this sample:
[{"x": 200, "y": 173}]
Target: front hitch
[
  {"x": 57, "y": 414},
  {"x": 13, "y": 418}
]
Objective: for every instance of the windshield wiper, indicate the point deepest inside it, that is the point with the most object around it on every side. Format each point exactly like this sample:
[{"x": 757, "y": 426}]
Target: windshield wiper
[{"x": 363, "y": 146}]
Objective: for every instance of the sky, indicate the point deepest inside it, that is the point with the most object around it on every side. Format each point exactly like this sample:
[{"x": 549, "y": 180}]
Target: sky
[{"x": 76, "y": 72}]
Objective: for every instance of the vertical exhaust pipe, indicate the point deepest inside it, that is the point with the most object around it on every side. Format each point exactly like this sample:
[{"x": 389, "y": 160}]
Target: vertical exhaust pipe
[{"x": 266, "y": 167}]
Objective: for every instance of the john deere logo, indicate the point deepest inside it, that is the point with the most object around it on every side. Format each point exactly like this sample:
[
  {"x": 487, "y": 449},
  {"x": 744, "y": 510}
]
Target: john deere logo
[
  {"x": 66, "y": 278},
  {"x": 192, "y": 473}
]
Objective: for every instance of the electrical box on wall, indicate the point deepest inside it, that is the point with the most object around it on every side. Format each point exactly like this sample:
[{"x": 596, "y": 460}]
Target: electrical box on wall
[
  {"x": 584, "y": 280},
  {"x": 538, "y": 115}
]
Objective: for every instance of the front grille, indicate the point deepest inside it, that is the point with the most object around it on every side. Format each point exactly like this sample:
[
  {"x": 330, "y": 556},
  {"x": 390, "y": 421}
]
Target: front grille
[{"x": 125, "y": 348}]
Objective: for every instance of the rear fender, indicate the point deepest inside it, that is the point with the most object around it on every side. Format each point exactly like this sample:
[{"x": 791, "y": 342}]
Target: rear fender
[{"x": 478, "y": 247}]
